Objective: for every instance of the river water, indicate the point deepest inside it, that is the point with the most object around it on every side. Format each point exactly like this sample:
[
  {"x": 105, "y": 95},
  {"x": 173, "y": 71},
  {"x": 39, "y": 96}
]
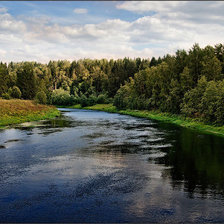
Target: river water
[{"x": 91, "y": 166}]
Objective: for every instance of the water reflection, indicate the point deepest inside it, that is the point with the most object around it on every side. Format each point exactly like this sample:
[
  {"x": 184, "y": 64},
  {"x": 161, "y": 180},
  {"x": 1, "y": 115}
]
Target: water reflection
[
  {"x": 89, "y": 166},
  {"x": 197, "y": 163}
]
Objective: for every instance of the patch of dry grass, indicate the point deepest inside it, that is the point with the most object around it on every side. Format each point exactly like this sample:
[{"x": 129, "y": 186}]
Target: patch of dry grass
[{"x": 18, "y": 111}]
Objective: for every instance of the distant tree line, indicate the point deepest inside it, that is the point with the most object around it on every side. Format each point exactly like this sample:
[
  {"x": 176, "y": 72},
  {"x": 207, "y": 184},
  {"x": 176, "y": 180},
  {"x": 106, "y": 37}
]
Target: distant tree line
[
  {"x": 62, "y": 82},
  {"x": 189, "y": 83}
]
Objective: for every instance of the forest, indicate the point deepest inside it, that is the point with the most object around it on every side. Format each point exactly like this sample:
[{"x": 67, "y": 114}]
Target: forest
[{"x": 190, "y": 83}]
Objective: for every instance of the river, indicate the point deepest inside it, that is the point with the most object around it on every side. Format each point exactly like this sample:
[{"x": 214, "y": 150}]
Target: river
[{"x": 91, "y": 166}]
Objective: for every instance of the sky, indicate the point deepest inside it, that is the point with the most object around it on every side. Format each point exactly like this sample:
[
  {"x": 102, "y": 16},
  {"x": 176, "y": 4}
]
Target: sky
[{"x": 71, "y": 30}]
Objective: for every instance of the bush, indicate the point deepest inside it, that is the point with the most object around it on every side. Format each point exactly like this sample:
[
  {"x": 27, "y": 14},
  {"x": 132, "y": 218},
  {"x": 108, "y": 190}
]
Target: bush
[
  {"x": 41, "y": 97},
  {"x": 92, "y": 100},
  {"x": 49, "y": 97},
  {"x": 75, "y": 100},
  {"x": 62, "y": 97},
  {"x": 83, "y": 101},
  {"x": 15, "y": 92},
  {"x": 6, "y": 96},
  {"x": 121, "y": 99},
  {"x": 102, "y": 98},
  {"x": 9, "y": 92}
]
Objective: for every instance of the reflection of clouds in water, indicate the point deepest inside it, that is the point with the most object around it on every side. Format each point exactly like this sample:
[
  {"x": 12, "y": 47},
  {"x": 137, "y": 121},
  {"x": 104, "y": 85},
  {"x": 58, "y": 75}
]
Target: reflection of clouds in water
[
  {"x": 170, "y": 205},
  {"x": 96, "y": 164},
  {"x": 126, "y": 135},
  {"x": 11, "y": 134}
]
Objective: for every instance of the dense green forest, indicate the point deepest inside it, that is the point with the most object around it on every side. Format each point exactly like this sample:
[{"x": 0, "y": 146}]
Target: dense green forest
[{"x": 189, "y": 83}]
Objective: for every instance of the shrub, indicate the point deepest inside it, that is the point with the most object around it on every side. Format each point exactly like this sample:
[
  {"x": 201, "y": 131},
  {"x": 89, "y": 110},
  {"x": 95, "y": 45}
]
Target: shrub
[
  {"x": 62, "y": 97},
  {"x": 121, "y": 99},
  {"x": 102, "y": 98},
  {"x": 75, "y": 100},
  {"x": 83, "y": 101},
  {"x": 9, "y": 91},
  {"x": 89, "y": 101},
  {"x": 92, "y": 100},
  {"x": 49, "y": 97},
  {"x": 15, "y": 92},
  {"x": 6, "y": 96},
  {"x": 41, "y": 97}
]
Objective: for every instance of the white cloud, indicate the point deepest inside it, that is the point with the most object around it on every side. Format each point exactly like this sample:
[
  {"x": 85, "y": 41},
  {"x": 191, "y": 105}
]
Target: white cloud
[
  {"x": 178, "y": 24},
  {"x": 174, "y": 25},
  {"x": 196, "y": 12},
  {"x": 142, "y": 6},
  {"x": 8, "y": 23},
  {"x": 2, "y": 52},
  {"x": 80, "y": 11},
  {"x": 3, "y": 10}
]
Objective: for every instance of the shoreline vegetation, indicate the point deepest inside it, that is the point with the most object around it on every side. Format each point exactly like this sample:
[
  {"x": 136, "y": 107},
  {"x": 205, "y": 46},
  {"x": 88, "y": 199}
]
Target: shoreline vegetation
[
  {"x": 186, "y": 88},
  {"x": 17, "y": 111},
  {"x": 158, "y": 116}
]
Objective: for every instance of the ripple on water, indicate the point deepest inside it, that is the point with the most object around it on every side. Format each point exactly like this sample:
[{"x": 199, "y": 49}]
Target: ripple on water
[{"x": 99, "y": 167}]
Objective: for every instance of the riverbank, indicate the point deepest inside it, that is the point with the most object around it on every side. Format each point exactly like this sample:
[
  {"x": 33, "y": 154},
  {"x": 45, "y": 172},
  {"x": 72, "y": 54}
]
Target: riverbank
[
  {"x": 17, "y": 111},
  {"x": 163, "y": 117}
]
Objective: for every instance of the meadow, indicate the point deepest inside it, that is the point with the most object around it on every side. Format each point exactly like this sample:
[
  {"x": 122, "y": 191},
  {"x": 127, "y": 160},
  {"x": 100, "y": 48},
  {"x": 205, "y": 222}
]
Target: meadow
[{"x": 16, "y": 111}]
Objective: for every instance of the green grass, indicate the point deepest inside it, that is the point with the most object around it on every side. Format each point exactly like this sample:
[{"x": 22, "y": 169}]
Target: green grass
[
  {"x": 77, "y": 106},
  {"x": 52, "y": 113},
  {"x": 103, "y": 107},
  {"x": 20, "y": 111},
  {"x": 162, "y": 117}
]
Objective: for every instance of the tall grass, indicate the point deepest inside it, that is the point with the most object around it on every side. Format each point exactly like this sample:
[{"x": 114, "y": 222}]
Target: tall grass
[{"x": 17, "y": 111}]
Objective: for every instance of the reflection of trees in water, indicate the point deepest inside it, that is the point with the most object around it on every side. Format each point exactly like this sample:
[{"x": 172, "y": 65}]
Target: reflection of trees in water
[
  {"x": 48, "y": 126},
  {"x": 196, "y": 163}
]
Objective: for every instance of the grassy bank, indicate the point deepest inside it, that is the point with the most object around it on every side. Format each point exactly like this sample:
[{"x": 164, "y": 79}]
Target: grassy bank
[
  {"x": 18, "y": 111},
  {"x": 163, "y": 117}
]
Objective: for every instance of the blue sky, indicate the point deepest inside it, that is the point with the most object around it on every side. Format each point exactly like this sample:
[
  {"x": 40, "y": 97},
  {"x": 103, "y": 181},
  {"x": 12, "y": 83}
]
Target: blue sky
[
  {"x": 62, "y": 11},
  {"x": 46, "y": 30}
]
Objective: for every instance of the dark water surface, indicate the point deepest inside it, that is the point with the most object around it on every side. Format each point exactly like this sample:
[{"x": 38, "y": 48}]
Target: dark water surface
[{"x": 90, "y": 166}]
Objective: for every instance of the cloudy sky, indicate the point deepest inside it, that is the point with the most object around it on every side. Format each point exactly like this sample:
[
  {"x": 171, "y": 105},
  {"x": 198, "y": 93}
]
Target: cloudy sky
[{"x": 44, "y": 31}]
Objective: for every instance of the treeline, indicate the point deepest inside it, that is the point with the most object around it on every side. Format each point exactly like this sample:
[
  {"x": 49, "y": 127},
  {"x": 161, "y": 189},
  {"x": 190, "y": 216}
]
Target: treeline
[
  {"x": 189, "y": 83},
  {"x": 65, "y": 83}
]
